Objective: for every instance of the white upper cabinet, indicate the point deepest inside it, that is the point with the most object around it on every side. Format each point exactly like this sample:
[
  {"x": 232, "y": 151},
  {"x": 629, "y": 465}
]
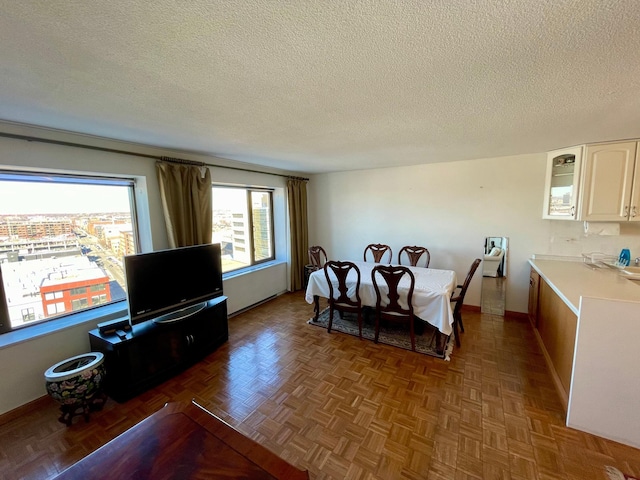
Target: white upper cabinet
[
  {"x": 562, "y": 184},
  {"x": 610, "y": 187}
]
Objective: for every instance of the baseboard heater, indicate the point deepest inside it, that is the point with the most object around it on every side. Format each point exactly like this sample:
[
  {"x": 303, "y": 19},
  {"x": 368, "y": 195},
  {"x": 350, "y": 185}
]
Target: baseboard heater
[{"x": 245, "y": 309}]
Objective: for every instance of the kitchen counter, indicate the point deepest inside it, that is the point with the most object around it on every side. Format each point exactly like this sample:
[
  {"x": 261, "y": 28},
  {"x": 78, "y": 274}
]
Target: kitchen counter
[
  {"x": 587, "y": 321},
  {"x": 571, "y": 279}
]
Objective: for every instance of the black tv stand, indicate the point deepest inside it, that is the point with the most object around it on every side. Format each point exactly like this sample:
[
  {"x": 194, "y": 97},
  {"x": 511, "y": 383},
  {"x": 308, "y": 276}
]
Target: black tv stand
[{"x": 152, "y": 352}]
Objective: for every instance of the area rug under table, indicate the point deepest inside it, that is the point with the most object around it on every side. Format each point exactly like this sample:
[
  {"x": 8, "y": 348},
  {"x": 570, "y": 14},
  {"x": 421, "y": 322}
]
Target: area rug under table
[{"x": 395, "y": 335}]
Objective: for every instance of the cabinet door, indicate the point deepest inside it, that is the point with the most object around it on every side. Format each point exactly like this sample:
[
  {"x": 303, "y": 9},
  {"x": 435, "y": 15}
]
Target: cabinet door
[
  {"x": 557, "y": 328},
  {"x": 562, "y": 184},
  {"x": 634, "y": 214},
  {"x": 534, "y": 281},
  {"x": 207, "y": 329},
  {"x": 608, "y": 180}
]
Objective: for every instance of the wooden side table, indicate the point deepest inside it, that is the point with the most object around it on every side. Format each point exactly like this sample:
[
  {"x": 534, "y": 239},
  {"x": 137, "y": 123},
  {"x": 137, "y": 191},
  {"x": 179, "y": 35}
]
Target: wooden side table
[{"x": 182, "y": 441}]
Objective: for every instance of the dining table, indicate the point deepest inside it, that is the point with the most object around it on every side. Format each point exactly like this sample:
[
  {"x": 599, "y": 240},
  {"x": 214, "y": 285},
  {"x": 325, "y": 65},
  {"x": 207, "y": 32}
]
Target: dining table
[{"x": 431, "y": 294}]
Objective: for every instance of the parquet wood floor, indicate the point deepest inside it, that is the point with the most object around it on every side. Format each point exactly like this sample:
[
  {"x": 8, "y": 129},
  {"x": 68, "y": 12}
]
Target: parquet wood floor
[{"x": 348, "y": 408}]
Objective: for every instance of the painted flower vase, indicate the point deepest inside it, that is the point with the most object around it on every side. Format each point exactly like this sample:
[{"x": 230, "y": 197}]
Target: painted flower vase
[{"x": 76, "y": 384}]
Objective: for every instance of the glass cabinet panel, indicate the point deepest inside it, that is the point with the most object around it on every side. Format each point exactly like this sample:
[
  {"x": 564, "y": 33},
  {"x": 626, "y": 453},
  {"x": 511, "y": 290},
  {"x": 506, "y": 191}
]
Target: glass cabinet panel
[{"x": 563, "y": 176}]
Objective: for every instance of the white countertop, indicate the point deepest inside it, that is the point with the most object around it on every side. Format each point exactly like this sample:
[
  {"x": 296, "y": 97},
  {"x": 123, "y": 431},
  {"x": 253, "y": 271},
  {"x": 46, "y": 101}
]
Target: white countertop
[{"x": 573, "y": 279}]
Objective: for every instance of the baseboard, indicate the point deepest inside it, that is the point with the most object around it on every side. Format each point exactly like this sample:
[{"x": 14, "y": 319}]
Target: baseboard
[
  {"x": 516, "y": 315},
  {"x": 470, "y": 308},
  {"x": 37, "y": 404},
  {"x": 507, "y": 313}
]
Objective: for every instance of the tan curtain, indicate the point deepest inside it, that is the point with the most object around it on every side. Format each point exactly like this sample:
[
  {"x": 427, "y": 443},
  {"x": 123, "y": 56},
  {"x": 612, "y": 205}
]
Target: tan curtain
[
  {"x": 298, "y": 224},
  {"x": 186, "y": 200}
]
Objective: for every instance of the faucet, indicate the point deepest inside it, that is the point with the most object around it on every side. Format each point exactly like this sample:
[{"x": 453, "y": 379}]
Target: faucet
[{"x": 637, "y": 261}]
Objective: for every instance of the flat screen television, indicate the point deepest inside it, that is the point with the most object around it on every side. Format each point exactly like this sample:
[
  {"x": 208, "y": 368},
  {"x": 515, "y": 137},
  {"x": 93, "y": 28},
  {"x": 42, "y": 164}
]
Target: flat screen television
[{"x": 168, "y": 285}]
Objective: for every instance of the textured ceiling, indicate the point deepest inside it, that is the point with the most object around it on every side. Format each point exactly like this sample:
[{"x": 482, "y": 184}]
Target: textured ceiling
[{"x": 317, "y": 86}]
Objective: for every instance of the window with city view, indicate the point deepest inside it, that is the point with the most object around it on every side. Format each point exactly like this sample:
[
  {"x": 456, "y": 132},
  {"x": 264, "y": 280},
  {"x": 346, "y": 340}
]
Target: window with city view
[
  {"x": 62, "y": 239},
  {"x": 243, "y": 225}
]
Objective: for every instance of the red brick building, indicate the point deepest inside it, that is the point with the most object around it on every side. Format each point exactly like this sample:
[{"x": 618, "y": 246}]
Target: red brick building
[{"x": 66, "y": 295}]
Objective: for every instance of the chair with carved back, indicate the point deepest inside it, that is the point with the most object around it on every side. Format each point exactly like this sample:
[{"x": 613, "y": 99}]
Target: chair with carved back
[
  {"x": 413, "y": 254},
  {"x": 317, "y": 257},
  {"x": 391, "y": 276},
  {"x": 458, "y": 298},
  {"x": 340, "y": 300},
  {"x": 378, "y": 251}
]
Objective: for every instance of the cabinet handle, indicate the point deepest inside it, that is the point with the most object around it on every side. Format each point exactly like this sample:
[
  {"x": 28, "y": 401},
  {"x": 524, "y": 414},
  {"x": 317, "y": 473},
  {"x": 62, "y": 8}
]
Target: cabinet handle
[
  {"x": 626, "y": 210},
  {"x": 633, "y": 211},
  {"x": 573, "y": 210}
]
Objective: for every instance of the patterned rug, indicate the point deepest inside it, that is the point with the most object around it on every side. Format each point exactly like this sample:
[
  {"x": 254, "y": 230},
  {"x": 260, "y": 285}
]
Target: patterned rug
[{"x": 396, "y": 335}]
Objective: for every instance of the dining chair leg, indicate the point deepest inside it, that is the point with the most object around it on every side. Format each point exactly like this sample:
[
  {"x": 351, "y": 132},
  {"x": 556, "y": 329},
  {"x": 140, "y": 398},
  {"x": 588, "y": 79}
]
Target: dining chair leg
[
  {"x": 360, "y": 323},
  {"x": 460, "y": 322},
  {"x": 455, "y": 332},
  {"x": 413, "y": 335},
  {"x": 316, "y": 307},
  {"x": 377, "y": 328}
]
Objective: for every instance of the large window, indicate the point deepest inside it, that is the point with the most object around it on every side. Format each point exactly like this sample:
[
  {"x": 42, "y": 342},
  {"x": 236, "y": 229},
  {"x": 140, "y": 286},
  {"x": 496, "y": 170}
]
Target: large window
[
  {"x": 62, "y": 239},
  {"x": 243, "y": 225}
]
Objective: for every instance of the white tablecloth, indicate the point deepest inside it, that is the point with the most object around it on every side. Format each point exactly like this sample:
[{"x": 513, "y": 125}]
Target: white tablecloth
[{"x": 431, "y": 292}]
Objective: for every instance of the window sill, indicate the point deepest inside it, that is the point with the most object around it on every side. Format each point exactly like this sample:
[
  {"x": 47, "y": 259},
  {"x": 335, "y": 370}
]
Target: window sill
[
  {"x": 92, "y": 316},
  {"x": 254, "y": 268}
]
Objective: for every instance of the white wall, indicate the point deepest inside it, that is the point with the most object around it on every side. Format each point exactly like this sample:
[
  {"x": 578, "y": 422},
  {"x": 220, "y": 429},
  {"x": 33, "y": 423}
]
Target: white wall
[
  {"x": 22, "y": 365},
  {"x": 450, "y": 208}
]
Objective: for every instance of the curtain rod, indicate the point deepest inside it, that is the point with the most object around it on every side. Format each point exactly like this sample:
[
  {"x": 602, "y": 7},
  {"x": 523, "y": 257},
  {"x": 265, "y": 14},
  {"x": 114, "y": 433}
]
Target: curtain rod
[{"x": 155, "y": 157}]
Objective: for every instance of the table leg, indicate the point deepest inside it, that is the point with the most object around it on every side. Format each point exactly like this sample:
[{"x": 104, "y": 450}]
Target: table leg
[
  {"x": 439, "y": 346},
  {"x": 316, "y": 307}
]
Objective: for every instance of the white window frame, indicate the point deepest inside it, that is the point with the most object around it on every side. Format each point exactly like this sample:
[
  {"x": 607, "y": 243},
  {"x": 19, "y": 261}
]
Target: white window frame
[
  {"x": 248, "y": 245},
  {"x": 73, "y": 178}
]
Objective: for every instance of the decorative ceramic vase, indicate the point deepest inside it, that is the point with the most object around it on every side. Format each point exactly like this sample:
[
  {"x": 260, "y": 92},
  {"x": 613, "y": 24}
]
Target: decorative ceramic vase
[{"x": 76, "y": 383}]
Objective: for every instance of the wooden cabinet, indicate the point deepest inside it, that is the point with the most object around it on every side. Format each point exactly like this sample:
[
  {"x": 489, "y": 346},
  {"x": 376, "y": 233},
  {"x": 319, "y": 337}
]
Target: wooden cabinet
[
  {"x": 611, "y": 183},
  {"x": 534, "y": 283},
  {"x": 556, "y": 328},
  {"x": 562, "y": 184},
  {"x": 595, "y": 183},
  {"x": 153, "y": 352}
]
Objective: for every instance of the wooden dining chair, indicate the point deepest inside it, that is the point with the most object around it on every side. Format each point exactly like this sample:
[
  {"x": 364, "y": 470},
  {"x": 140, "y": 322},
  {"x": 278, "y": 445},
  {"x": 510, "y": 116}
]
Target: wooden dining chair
[
  {"x": 458, "y": 298},
  {"x": 378, "y": 250},
  {"x": 317, "y": 257},
  {"x": 393, "y": 311},
  {"x": 342, "y": 302},
  {"x": 413, "y": 254}
]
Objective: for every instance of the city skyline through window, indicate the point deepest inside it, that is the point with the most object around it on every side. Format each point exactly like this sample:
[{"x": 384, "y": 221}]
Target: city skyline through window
[
  {"x": 62, "y": 240},
  {"x": 243, "y": 225}
]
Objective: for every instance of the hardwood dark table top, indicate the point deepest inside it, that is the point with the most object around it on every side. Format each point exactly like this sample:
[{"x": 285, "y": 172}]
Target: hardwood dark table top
[{"x": 182, "y": 441}]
